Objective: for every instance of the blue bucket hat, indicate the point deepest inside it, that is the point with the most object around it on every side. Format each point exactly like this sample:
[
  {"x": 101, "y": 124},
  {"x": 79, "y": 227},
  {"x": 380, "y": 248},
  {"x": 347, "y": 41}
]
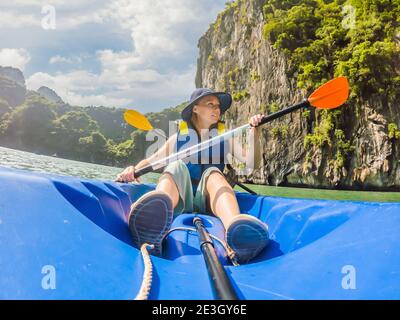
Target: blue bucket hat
[{"x": 225, "y": 100}]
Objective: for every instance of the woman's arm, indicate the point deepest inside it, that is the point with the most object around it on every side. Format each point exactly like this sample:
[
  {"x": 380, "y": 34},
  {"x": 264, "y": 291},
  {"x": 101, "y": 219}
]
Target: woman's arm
[
  {"x": 128, "y": 174},
  {"x": 252, "y": 154}
]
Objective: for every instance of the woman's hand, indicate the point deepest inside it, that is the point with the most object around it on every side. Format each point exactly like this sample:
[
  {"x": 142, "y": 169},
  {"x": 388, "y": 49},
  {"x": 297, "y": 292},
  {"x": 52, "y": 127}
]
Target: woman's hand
[
  {"x": 128, "y": 175},
  {"x": 255, "y": 120}
]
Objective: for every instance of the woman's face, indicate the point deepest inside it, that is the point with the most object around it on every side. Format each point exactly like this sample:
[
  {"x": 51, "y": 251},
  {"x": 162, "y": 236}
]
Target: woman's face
[{"x": 208, "y": 109}]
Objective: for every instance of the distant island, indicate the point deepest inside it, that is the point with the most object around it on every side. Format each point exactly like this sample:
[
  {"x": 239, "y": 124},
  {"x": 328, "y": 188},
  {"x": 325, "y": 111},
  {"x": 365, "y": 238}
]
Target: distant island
[{"x": 41, "y": 122}]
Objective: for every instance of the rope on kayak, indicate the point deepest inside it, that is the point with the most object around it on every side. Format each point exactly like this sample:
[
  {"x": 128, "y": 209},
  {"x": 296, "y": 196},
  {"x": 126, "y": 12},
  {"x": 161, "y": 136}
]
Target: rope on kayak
[
  {"x": 148, "y": 267},
  {"x": 229, "y": 252},
  {"x": 147, "y": 274}
]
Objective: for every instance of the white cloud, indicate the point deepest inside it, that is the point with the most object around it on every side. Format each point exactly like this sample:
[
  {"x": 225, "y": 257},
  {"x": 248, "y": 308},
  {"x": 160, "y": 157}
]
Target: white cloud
[
  {"x": 158, "y": 72},
  {"x": 40, "y": 3},
  {"x": 160, "y": 28},
  {"x": 162, "y": 32},
  {"x": 116, "y": 89},
  {"x": 120, "y": 61},
  {"x": 69, "y": 14},
  {"x": 14, "y": 20},
  {"x": 16, "y": 58},
  {"x": 72, "y": 21},
  {"x": 95, "y": 100},
  {"x": 71, "y": 85},
  {"x": 60, "y": 59}
]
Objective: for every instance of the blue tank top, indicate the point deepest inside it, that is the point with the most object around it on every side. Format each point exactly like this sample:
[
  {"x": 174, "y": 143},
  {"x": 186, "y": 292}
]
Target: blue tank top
[{"x": 212, "y": 157}]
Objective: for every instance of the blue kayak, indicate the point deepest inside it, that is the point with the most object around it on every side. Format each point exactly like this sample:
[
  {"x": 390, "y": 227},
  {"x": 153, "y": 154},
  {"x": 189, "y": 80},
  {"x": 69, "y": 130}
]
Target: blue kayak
[{"x": 67, "y": 238}]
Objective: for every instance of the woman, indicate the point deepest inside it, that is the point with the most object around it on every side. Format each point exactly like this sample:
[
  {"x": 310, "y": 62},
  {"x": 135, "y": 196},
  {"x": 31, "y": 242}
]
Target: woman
[{"x": 197, "y": 185}]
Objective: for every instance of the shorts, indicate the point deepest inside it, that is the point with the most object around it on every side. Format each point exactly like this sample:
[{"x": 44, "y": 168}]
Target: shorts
[{"x": 187, "y": 201}]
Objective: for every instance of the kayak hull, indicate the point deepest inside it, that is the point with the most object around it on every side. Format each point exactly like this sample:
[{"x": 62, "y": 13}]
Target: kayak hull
[{"x": 67, "y": 238}]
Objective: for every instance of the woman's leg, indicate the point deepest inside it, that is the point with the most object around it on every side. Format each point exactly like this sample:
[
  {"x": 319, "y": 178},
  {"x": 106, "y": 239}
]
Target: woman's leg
[
  {"x": 221, "y": 198},
  {"x": 245, "y": 234},
  {"x": 167, "y": 184},
  {"x": 175, "y": 182}
]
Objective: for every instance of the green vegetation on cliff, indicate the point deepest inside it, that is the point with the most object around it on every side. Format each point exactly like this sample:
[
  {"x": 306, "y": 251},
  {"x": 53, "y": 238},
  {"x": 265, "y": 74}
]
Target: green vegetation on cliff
[{"x": 323, "y": 39}]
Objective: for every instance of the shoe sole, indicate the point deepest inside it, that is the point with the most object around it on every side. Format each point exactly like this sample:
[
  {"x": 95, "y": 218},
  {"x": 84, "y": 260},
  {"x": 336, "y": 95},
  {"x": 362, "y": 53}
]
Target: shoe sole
[
  {"x": 150, "y": 219},
  {"x": 247, "y": 236}
]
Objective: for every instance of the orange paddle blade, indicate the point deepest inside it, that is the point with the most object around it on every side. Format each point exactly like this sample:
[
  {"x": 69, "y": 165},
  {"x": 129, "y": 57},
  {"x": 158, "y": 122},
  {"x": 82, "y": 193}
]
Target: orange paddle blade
[
  {"x": 137, "y": 120},
  {"x": 331, "y": 94}
]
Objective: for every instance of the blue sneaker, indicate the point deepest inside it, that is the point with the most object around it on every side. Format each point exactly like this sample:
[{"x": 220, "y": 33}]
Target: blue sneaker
[
  {"x": 247, "y": 236},
  {"x": 150, "y": 219}
]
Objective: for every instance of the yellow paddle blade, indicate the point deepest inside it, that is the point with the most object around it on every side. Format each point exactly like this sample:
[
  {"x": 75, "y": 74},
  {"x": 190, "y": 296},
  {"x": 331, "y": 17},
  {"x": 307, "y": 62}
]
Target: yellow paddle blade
[
  {"x": 331, "y": 94},
  {"x": 137, "y": 120}
]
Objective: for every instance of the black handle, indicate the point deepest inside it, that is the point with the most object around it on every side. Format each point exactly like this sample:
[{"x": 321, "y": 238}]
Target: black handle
[
  {"x": 143, "y": 171},
  {"x": 282, "y": 112},
  {"x": 204, "y": 237},
  {"x": 220, "y": 283},
  {"x": 245, "y": 188}
]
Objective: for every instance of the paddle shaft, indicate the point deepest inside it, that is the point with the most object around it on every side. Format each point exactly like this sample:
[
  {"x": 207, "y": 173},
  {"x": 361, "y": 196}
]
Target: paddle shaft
[
  {"x": 220, "y": 283},
  {"x": 183, "y": 154},
  {"x": 283, "y": 112},
  {"x": 241, "y": 185}
]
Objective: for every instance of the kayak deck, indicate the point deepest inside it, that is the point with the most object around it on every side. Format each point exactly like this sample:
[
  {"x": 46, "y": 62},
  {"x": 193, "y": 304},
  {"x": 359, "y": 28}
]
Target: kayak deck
[{"x": 78, "y": 227}]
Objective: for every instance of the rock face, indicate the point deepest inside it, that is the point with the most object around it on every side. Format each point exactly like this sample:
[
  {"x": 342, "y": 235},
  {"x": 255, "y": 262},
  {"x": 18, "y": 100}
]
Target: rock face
[
  {"x": 49, "y": 94},
  {"x": 12, "y": 86},
  {"x": 13, "y": 74},
  {"x": 234, "y": 56}
]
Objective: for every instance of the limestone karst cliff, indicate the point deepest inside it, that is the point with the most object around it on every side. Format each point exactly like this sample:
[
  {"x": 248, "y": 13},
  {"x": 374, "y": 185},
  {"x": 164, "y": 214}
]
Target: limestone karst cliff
[{"x": 356, "y": 148}]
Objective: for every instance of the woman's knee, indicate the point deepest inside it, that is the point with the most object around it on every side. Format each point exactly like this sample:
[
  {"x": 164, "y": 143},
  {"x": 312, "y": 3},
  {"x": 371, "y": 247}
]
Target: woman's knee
[
  {"x": 166, "y": 179},
  {"x": 216, "y": 179},
  {"x": 167, "y": 184},
  {"x": 217, "y": 188}
]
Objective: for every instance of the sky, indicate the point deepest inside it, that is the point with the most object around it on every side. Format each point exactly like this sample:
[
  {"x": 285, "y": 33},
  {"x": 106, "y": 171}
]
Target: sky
[{"x": 139, "y": 54}]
